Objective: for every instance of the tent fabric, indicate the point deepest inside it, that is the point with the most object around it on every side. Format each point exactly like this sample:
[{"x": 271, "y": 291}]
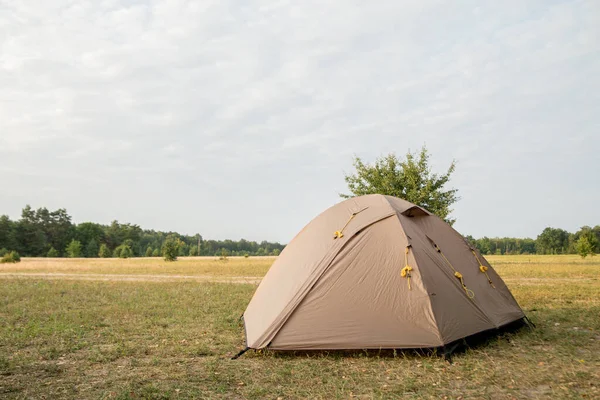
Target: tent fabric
[{"x": 338, "y": 283}]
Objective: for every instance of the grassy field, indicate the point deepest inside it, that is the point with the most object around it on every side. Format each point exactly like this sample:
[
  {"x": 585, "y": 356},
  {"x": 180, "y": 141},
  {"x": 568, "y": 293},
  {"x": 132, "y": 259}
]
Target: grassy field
[{"x": 143, "y": 328}]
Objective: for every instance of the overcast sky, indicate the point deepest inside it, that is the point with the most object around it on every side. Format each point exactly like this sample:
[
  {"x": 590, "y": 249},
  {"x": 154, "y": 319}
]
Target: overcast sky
[{"x": 239, "y": 118}]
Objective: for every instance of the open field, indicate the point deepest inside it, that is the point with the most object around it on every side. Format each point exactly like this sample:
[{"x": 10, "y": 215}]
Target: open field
[{"x": 143, "y": 328}]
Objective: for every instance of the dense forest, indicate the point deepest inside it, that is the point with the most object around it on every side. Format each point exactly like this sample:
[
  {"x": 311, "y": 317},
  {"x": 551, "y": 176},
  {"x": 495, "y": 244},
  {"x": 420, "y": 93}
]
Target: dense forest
[{"x": 44, "y": 233}]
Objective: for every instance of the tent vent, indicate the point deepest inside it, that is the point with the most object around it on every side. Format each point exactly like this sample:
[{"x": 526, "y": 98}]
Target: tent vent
[{"x": 415, "y": 211}]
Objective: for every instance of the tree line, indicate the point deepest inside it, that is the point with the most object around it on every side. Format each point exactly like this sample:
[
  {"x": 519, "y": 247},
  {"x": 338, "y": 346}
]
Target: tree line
[
  {"x": 45, "y": 233},
  {"x": 551, "y": 241}
]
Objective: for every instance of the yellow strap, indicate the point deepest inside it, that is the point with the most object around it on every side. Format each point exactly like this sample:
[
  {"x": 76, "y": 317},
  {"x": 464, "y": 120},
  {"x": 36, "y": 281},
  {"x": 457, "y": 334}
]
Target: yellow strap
[
  {"x": 340, "y": 234},
  {"x": 483, "y": 269},
  {"x": 458, "y": 275},
  {"x": 405, "y": 272}
]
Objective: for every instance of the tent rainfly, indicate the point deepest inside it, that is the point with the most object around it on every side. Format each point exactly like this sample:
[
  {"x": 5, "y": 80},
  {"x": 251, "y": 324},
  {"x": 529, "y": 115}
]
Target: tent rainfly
[{"x": 376, "y": 272}]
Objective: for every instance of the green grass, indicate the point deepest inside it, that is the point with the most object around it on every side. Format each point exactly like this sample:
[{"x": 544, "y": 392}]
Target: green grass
[{"x": 163, "y": 340}]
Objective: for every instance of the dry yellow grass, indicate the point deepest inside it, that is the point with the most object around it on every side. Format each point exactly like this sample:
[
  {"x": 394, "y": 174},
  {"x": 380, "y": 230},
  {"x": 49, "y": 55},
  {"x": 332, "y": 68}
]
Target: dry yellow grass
[
  {"x": 160, "y": 340},
  {"x": 187, "y": 266},
  {"x": 540, "y": 266}
]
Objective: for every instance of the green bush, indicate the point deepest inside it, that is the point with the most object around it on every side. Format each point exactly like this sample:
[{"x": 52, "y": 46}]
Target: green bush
[
  {"x": 149, "y": 252},
  {"x": 3, "y": 252},
  {"x": 127, "y": 252},
  {"x": 123, "y": 251},
  {"x": 10, "y": 257},
  {"x": 156, "y": 253},
  {"x": 53, "y": 253},
  {"x": 104, "y": 251},
  {"x": 170, "y": 248},
  {"x": 584, "y": 247},
  {"x": 73, "y": 250}
]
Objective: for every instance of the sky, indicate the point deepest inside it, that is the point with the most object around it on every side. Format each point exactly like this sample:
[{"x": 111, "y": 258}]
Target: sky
[{"x": 239, "y": 119}]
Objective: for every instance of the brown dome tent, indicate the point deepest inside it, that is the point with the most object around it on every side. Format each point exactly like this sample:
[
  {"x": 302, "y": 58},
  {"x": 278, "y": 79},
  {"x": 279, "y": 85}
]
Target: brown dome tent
[{"x": 376, "y": 272}]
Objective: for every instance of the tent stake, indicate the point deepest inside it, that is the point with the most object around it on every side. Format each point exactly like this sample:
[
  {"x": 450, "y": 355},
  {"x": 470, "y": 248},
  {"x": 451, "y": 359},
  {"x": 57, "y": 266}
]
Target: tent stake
[
  {"x": 448, "y": 350},
  {"x": 238, "y": 355},
  {"x": 447, "y": 354},
  {"x": 530, "y": 324}
]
